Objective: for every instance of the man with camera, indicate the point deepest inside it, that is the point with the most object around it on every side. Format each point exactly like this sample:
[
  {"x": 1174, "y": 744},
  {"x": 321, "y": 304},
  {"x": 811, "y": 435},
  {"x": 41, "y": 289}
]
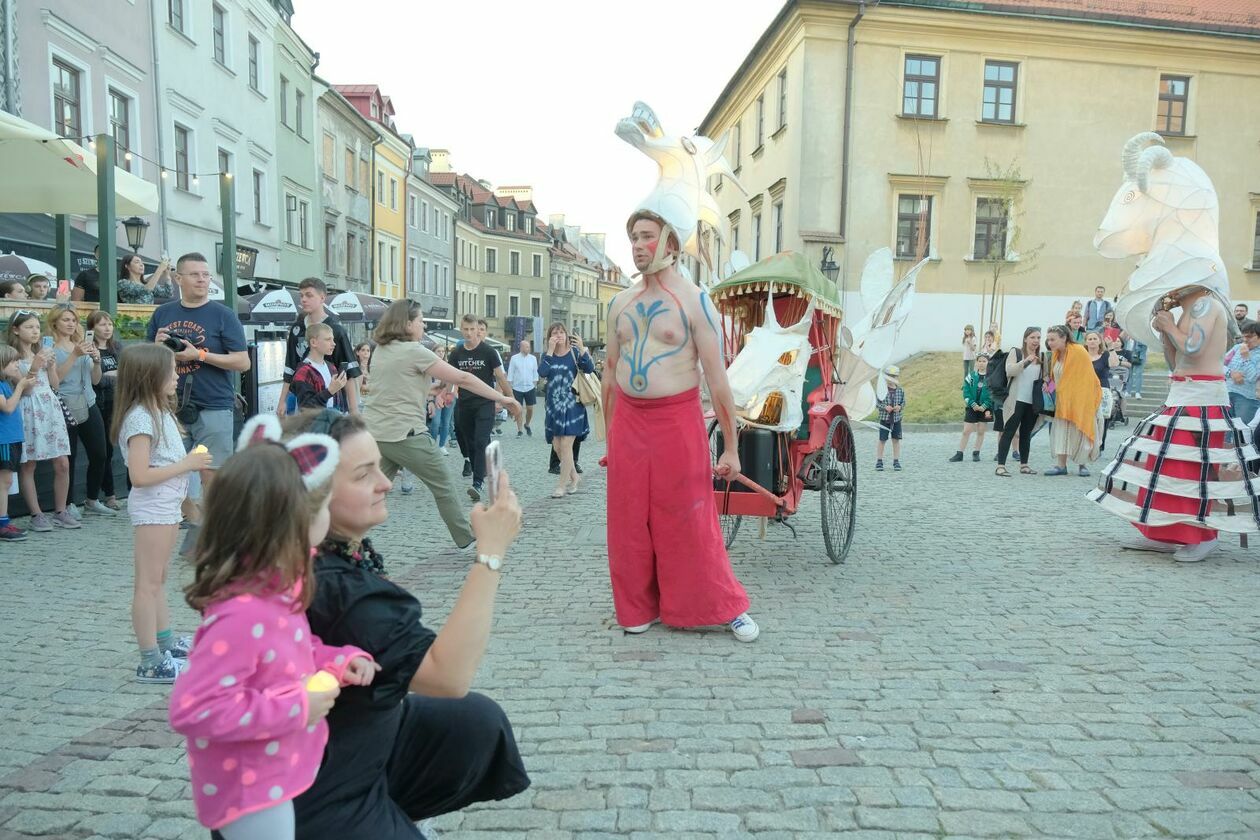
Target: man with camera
[{"x": 209, "y": 345}]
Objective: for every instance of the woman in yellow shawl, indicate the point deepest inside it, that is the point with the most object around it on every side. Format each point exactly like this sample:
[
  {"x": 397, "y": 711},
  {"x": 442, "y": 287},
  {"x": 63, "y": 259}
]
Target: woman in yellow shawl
[{"x": 1077, "y": 429}]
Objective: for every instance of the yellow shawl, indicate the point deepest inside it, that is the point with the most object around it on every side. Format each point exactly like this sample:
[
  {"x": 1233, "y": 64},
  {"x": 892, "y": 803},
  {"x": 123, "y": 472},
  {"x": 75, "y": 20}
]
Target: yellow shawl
[{"x": 1077, "y": 393}]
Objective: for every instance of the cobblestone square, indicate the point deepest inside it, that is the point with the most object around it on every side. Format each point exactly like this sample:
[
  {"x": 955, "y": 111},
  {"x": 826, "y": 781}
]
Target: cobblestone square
[{"x": 987, "y": 663}]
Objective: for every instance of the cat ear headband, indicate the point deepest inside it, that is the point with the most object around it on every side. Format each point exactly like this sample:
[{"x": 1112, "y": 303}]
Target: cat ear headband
[{"x": 316, "y": 455}]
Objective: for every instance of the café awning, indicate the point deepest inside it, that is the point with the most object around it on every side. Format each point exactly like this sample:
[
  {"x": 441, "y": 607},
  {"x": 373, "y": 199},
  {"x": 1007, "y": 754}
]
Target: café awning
[{"x": 44, "y": 173}]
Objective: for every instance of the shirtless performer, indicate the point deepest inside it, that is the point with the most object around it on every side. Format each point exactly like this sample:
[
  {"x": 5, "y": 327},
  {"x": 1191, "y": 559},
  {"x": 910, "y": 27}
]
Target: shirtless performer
[
  {"x": 666, "y": 557},
  {"x": 1188, "y": 484}
]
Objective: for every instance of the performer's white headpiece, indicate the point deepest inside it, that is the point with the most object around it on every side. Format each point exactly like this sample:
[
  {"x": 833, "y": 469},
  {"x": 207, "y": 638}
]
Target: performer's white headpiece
[
  {"x": 1167, "y": 213},
  {"x": 681, "y": 201}
]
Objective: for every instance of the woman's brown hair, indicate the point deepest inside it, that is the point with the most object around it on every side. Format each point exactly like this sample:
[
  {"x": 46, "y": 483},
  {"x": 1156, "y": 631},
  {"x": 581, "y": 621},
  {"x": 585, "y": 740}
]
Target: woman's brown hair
[
  {"x": 143, "y": 371},
  {"x": 393, "y": 324},
  {"x": 113, "y": 345},
  {"x": 255, "y": 535},
  {"x": 11, "y": 336}
]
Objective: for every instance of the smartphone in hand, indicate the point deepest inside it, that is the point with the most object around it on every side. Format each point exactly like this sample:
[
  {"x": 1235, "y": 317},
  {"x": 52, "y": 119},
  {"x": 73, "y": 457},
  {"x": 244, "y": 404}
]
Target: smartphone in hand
[
  {"x": 46, "y": 342},
  {"x": 90, "y": 336},
  {"x": 343, "y": 367},
  {"x": 494, "y": 466}
]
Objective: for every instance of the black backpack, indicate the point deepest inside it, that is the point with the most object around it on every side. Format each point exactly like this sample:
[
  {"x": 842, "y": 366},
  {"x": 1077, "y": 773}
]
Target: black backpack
[{"x": 999, "y": 384}]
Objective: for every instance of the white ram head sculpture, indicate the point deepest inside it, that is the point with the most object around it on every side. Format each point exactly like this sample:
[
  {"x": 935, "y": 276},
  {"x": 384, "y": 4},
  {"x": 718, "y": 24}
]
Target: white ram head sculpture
[
  {"x": 768, "y": 376},
  {"x": 1166, "y": 212}
]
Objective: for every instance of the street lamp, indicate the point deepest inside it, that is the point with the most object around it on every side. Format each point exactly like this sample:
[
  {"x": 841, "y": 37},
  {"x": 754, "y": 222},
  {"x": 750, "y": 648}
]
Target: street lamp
[
  {"x": 136, "y": 228},
  {"x": 828, "y": 266}
]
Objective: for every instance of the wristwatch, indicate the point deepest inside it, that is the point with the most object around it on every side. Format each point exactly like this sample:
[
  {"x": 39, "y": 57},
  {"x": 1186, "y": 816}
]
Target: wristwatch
[{"x": 493, "y": 562}]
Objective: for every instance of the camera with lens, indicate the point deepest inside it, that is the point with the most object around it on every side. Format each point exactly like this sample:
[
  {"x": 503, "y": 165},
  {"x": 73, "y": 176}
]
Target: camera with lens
[{"x": 175, "y": 341}]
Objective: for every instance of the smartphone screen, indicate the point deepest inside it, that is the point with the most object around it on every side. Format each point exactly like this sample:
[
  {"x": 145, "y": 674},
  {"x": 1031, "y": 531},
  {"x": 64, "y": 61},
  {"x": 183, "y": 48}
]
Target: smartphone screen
[
  {"x": 89, "y": 336},
  {"x": 343, "y": 367},
  {"x": 46, "y": 341},
  {"x": 63, "y": 289},
  {"x": 494, "y": 466}
]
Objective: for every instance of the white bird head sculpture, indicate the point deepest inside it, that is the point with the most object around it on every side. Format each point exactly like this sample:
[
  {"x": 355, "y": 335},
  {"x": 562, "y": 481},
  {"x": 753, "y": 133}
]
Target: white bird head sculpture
[{"x": 768, "y": 375}]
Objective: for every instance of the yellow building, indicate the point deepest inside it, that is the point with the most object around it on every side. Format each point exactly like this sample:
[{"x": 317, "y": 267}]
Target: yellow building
[
  {"x": 987, "y": 139},
  {"x": 611, "y": 283}
]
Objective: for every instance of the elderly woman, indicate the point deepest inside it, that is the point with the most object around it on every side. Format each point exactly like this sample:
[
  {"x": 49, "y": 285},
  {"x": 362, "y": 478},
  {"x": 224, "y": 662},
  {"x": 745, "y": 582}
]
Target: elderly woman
[
  {"x": 415, "y": 743},
  {"x": 1076, "y": 432}
]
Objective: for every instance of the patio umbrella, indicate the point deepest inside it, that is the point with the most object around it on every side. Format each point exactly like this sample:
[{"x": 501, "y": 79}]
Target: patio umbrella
[
  {"x": 277, "y": 306},
  {"x": 14, "y": 267},
  {"x": 44, "y": 173},
  {"x": 352, "y": 306}
]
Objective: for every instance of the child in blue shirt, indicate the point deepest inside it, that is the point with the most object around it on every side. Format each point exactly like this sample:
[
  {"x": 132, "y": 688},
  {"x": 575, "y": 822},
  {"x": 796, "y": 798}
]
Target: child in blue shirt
[{"x": 12, "y": 386}]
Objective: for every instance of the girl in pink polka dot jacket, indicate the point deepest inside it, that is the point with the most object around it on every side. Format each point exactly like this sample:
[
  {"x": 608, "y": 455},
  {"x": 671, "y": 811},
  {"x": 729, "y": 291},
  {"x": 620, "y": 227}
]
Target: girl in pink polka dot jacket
[{"x": 256, "y": 733}]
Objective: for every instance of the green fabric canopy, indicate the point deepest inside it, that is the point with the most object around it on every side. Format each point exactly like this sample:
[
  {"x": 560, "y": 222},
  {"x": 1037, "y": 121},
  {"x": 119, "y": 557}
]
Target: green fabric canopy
[{"x": 789, "y": 271}]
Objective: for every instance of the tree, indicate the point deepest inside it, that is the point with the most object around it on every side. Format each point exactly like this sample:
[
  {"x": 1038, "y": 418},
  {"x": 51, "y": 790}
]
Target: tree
[{"x": 1000, "y": 234}]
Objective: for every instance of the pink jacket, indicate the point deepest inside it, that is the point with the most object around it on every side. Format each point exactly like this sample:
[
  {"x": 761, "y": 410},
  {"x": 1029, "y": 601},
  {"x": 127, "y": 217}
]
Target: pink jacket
[{"x": 241, "y": 702}]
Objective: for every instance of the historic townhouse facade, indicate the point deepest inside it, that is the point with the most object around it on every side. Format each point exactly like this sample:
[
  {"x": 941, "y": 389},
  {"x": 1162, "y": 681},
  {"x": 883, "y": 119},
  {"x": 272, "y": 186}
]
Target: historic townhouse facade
[
  {"x": 986, "y": 138},
  {"x": 431, "y": 266},
  {"x": 575, "y": 273},
  {"x": 298, "y": 178},
  {"x": 346, "y": 141}
]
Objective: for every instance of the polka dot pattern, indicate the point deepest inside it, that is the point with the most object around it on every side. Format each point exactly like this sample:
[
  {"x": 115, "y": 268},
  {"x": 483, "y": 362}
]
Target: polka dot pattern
[
  {"x": 246, "y": 718},
  {"x": 249, "y": 777},
  {"x": 272, "y": 747},
  {"x": 257, "y": 630},
  {"x": 209, "y": 790},
  {"x": 269, "y": 657},
  {"x": 219, "y": 648},
  {"x": 229, "y": 764},
  {"x": 227, "y": 681},
  {"x": 201, "y": 743},
  {"x": 276, "y": 792}
]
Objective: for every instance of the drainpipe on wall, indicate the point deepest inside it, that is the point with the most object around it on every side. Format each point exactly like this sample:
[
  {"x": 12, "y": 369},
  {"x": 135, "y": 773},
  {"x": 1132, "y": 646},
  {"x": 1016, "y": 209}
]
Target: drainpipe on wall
[
  {"x": 8, "y": 15},
  {"x": 850, "y": 49},
  {"x": 372, "y": 242},
  {"x": 157, "y": 114}
]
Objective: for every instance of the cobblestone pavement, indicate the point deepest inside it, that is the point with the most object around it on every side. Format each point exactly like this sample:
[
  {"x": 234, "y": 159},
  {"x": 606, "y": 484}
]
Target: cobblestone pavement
[{"x": 987, "y": 663}]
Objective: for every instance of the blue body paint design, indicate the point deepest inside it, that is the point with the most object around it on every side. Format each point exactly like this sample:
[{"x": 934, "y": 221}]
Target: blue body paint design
[
  {"x": 636, "y": 355},
  {"x": 1194, "y": 341}
]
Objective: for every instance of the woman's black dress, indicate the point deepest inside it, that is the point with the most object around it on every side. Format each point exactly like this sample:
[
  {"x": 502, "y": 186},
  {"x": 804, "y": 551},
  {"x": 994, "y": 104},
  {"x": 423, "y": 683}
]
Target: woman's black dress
[{"x": 394, "y": 758}]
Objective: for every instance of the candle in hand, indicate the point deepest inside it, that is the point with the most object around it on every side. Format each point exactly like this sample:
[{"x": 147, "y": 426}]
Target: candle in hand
[{"x": 321, "y": 681}]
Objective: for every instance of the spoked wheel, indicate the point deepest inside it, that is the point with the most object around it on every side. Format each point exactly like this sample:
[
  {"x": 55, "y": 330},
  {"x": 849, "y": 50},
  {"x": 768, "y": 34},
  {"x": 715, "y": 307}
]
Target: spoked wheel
[
  {"x": 837, "y": 486},
  {"x": 728, "y": 522}
]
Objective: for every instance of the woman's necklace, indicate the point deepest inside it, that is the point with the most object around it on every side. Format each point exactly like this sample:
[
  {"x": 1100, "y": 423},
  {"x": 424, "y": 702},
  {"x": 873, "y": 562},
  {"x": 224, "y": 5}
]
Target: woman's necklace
[{"x": 358, "y": 553}]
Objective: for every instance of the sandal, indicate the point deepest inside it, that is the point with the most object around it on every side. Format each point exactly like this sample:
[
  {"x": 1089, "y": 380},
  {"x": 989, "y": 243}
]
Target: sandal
[
  {"x": 1002, "y": 471},
  {"x": 1027, "y": 470}
]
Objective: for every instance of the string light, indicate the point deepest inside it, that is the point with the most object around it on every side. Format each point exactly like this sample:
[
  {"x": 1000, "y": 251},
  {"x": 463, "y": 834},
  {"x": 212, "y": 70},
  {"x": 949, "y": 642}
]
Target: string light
[{"x": 129, "y": 156}]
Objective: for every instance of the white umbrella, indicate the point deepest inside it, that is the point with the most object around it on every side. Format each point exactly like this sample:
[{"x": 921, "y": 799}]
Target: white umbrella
[
  {"x": 44, "y": 173},
  {"x": 17, "y": 267}
]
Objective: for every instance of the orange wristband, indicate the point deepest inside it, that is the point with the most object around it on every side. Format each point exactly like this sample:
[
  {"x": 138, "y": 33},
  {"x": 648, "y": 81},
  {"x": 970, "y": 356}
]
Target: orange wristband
[{"x": 202, "y": 353}]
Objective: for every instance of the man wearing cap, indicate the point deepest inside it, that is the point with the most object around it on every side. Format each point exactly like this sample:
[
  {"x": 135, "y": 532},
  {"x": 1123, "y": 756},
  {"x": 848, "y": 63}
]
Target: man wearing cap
[
  {"x": 666, "y": 555},
  {"x": 890, "y": 408}
]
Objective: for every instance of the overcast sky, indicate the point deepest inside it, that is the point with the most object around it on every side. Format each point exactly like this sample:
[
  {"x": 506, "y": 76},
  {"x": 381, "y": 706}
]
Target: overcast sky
[{"x": 529, "y": 93}]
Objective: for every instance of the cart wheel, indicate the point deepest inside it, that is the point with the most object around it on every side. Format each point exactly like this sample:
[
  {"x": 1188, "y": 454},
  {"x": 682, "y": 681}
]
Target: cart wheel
[
  {"x": 837, "y": 485},
  {"x": 729, "y": 523}
]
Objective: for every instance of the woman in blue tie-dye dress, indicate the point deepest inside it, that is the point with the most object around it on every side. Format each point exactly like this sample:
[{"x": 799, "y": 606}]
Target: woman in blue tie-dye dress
[{"x": 566, "y": 417}]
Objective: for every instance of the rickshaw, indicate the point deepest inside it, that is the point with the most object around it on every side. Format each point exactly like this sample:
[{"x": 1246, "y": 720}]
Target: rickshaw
[{"x": 819, "y": 456}]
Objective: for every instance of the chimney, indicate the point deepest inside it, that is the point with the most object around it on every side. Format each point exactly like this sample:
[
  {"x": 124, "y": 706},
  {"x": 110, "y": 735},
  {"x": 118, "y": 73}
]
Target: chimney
[
  {"x": 598, "y": 240},
  {"x": 519, "y": 193},
  {"x": 441, "y": 160}
]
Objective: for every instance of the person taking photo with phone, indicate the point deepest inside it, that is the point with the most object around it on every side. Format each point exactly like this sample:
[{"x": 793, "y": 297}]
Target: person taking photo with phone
[
  {"x": 566, "y": 417},
  {"x": 311, "y": 296},
  {"x": 316, "y": 383}
]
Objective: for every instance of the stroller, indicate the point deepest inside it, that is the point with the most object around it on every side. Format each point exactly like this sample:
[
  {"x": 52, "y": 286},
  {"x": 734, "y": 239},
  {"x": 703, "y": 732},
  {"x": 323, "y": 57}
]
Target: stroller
[{"x": 1117, "y": 384}]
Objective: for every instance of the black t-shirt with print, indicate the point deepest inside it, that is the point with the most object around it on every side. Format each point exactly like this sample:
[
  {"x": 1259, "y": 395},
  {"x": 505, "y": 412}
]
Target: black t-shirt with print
[
  {"x": 481, "y": 363},
  {"x": 89, "y": 280},
  {"x": 296, "y": 348}
]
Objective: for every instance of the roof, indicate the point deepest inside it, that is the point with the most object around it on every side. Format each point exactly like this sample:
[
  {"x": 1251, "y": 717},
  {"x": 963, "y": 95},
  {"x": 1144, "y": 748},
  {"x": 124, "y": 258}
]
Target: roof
[{"x": 1228, "y": 18}]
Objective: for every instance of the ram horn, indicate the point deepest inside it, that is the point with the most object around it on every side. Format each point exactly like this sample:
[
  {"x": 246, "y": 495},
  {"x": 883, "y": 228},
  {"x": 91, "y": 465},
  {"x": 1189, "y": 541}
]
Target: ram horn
[
  {"x": 1133, "y": 148},
  {"x": 1155, "y": 157}
]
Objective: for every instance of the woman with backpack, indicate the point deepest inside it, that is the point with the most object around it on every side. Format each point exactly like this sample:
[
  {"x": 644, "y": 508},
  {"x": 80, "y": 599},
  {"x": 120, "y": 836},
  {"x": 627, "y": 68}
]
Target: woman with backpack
[{"x": 1023, "y": 374}]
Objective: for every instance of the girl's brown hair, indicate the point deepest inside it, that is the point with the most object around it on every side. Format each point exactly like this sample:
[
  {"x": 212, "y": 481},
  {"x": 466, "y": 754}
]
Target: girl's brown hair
[
  {"x": 143, "y": 371},
  {"x": 8, "y": 355},
  {"x": 393, "y": 324},
  {"x": 113, "y": 345},
  {"x": 55, "y": 314},
  {"x": 11, "y": 336},
  {"x": 255, "y": 536}
]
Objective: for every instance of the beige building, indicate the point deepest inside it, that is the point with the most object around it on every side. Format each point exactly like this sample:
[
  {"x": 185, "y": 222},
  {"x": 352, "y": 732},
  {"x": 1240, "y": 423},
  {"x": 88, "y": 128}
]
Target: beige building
[{"x": 987, "y": 140}]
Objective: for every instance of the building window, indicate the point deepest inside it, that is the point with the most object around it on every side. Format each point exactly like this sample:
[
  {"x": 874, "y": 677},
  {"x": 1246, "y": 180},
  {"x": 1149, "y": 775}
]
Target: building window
[
  {"x": 490, "y": 214},
  {"x": 284, "y": 101},
  {"x": 380, "y": 261},
  {"x": 920, "y": 90},
  {"x": 380, "y": 187},
  {"x": 492, "y": 260},
  {"x": 446, "y": 281},
  {"x": 304, "y": 212},
  {"x": 393, "y": 264},
  {"x": 365, "y": 257},
  {"x": 349, "y": 255},
  {"x": 738, "y": 140},
  {"x": 535, "y": 307},
  {"x": 529, "y": 224},
  {"x": 253, "y": 63},
  {"x": 514, "y": 305},
  {"x": 756, "y": 232},
  {"x": 175, "y": 14},
  {"x": 1174, "y": 96},
  {"x": 511, "y": 220},
  {"x": 492, "y": 305},
  {"x": 538, "y": 265},
  {"x": 258, "y": 197},
  {"x": 514, "y": 262},
  {"x": 299, "y": 107},
  {"x": 120, "y": 127},
  {"x": 67, "y": 105},
  {"x": 424, "y": 217},
  {"x": 365, "y": 175},
  {"x": 991, "y": 222},
  {"x": 329, "y": 156},
  {"x": 778, "y": 227},
  {"x": 999, "y": 91},
  {"x": 349, "y": 164},
  {"x": 761, "y": 121},
  {"x": 183, "y": 157},
  {"x": 783, "y": 97},
  {"x": 1255, "y": 247},
  {"x": 914, "y": 226},
  {"x": 330, "y": 246},
  {"x": 218, "y": 25},
  {"x": 290, "y": 218},
  {"x": 411, "y": 211},
  {"x": 393, "y": 193},
  {"x": 225, "y": 160},
  {"x": 411, "y": 274}
]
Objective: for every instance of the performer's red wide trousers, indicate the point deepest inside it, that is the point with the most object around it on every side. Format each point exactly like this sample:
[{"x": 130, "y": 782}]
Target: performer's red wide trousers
[{"x": 665, "y": 551}]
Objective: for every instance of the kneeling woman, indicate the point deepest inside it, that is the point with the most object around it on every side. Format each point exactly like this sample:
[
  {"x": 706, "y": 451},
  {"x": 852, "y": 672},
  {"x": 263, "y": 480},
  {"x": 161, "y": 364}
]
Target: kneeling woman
[{"x": 415, "y": 743}]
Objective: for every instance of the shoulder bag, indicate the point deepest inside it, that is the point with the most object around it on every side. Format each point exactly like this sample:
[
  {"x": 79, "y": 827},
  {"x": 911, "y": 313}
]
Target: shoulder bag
[{"x": 585, "y": 385}]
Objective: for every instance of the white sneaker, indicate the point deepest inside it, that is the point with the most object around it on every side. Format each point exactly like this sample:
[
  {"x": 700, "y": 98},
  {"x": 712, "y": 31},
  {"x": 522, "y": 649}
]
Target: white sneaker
[
  {"x": 641, "y": 628},
  {"x": 74, "y": 511},
  {"x": 1141, "y": 543},
  {"x": 445, "y": 452},
  {"x": 744, "y": 628},
  {"x": 1195, "y": 553},
  {"x": 97, "y": 506}
]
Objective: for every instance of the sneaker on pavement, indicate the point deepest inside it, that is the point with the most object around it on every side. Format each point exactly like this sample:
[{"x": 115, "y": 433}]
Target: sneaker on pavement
[
  {"x": 1082, "y": 472},
  {"x": 879, "y": 466},
  {"x": 744, "y": 628},
  {"x": 896, "y": 466},
  {"x": 474, "y": 492},
  {"x": 165, "y": 671},
  {"x": 408, "y": 487},
  {"x": 181, "y": 647},
  {"x": 96, "y": 506},
  {"x": 528, "y": 430},
  {"x": 11, "y": 533},
  {"x": 42, "y": 522},
  {"x": 975, "y": 455},
  {"x": 467, "y": 468},
  {"x": 1195, "y": 553},
  {"x": 519, "y": 433},
  {"x": 641, "y": 628},
  {"x": 446, "y": 453},
  {"x": 74, "y": 511},
  {"x": 1141, "y": 543},
  {"x": 113, "y": 504},
  {"x": 577, "y": 468},
  {"x": 65, "y": 520}
]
